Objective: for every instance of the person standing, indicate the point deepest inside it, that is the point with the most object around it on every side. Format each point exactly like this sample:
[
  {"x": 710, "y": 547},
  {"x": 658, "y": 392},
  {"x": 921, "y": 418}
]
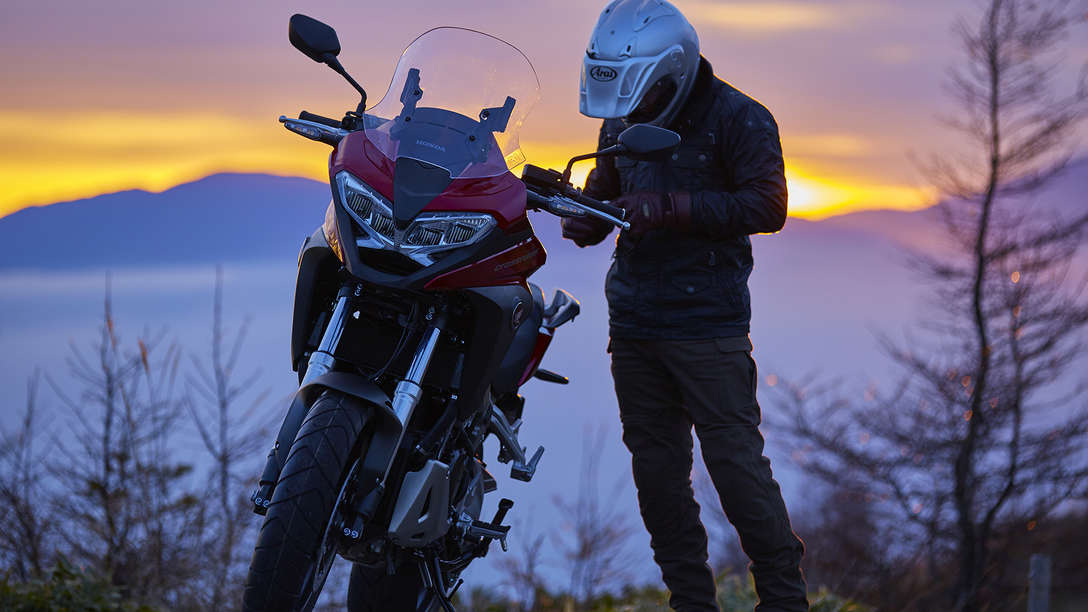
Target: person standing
[{"x": 678, "y": 300}]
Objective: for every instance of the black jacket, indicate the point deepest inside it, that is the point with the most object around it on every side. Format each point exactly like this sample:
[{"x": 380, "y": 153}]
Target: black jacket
[{"x": 694, "y": 283}]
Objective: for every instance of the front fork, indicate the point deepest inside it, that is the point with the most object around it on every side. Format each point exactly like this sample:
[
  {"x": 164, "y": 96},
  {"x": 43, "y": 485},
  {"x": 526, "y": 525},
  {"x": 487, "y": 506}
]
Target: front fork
[
  {"x": 322, "y": 360},
  {"x": 405, "y": 398}
]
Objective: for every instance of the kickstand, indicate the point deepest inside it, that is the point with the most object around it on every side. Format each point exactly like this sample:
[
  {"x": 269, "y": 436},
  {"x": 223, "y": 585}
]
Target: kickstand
[{"x": 432, "y": 578}]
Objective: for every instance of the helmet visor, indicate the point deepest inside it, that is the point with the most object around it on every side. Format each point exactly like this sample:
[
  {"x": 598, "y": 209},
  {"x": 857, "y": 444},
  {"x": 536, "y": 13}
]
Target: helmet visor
[
  {"x": 611, "y": 89},
  {"x": 653, "y": 104}
]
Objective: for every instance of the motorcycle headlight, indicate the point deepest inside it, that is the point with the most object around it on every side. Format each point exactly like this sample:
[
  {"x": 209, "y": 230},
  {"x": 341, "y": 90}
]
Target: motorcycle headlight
[
  {"x": 370, "y": 209},
  {"x": 427, "y": 235}
]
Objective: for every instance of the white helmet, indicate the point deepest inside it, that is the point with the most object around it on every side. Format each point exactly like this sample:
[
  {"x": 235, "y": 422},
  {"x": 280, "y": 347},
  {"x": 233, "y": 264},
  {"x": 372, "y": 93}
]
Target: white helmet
[{"x": 639, "y": 47}]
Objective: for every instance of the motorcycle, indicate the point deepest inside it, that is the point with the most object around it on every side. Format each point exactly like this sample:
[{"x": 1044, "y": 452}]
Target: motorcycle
[{"x": 414, "y": 327}]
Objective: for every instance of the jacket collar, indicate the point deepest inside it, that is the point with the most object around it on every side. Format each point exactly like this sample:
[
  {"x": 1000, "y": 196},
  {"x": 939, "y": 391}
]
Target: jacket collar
[{"x": 699, "y": 100}]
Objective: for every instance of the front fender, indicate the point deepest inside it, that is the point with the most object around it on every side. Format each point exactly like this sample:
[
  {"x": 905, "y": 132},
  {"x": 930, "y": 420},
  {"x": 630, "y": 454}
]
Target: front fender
[
  {"x": 387, "y": 428},
  {"x": 349, "y": 384}
]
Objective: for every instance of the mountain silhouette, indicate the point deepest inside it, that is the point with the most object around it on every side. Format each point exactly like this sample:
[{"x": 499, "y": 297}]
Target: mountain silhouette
[
  {"x": 223, "y": 217},
  {"x": 258, "y": 217}
]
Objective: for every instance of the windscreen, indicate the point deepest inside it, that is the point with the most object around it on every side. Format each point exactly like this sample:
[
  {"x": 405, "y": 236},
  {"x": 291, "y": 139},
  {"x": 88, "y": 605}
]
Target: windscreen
[{"x": 457, "y": 101}]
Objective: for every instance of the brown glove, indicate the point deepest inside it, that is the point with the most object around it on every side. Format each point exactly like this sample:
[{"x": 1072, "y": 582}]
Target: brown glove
[
  {"x": 647, "y": 210},
  {"x": 585, "y": 231}
]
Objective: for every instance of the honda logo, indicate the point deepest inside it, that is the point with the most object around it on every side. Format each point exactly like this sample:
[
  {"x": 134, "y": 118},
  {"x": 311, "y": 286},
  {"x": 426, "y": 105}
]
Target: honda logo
[{"x": 518, "y": 315}]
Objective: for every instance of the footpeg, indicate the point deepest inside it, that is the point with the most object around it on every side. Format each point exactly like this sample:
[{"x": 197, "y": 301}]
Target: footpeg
[
  {"x": 549, "y": 376},
  {"x": 562, "y": 309},
  {"x": 494, "y": 530},
  {"x": 510, "y": 449},
  {"x": 524, "y": 471},
  {"x": 480, "y": 529}
]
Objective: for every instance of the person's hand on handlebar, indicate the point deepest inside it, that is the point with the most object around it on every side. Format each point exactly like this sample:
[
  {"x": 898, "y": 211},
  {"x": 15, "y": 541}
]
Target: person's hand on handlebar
[
  {"x": 647, "y": 210},
  {"x": 585, "y": 231}
]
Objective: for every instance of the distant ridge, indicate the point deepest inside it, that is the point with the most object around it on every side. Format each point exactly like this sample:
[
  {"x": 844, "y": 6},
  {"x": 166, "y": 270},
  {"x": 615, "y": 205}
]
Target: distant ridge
[
  {"x": 1066, "y": 195},
  {"x": 261, "y": 217},
  {"x": 223, "y": 217}
]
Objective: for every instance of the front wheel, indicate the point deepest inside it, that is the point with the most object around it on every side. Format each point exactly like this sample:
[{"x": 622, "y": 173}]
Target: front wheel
[{"x": 297, "y": 542}]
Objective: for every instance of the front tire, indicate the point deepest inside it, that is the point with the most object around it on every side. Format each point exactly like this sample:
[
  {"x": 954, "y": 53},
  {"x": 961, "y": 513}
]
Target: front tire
[{"x": 296, "y": 544}]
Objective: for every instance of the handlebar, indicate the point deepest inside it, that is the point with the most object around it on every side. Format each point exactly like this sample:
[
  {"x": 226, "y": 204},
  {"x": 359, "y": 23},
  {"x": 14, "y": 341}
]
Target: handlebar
[
  {"x": 551, "y": 191},
  {"x": 606, "y": 208},
  {"x": 308, "y": 116},
  {"x": 565, "y": 206}
]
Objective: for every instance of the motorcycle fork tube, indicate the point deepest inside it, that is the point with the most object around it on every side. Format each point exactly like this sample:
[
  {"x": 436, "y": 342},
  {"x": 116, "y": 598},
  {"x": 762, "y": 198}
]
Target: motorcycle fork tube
[
  {"x": 321, "y": 362},
  {"x": 408, "y": 392},
  {"x": 405, "y": 399}
]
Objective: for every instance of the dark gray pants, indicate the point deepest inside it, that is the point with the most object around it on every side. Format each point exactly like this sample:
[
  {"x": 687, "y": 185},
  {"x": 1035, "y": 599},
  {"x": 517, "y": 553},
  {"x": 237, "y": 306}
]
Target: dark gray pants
[{"x": 665, "y": 387}]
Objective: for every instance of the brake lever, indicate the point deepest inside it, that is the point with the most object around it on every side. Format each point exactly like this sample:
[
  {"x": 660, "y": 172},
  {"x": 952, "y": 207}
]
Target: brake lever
[
  {"x": 624, "y": 225},
  {"x": 565, "y": 207}
]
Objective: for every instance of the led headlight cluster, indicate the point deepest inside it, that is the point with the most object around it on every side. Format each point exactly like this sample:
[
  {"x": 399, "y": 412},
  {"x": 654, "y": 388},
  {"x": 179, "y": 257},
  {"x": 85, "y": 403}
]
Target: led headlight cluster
[{"x": 429, "y": 233}]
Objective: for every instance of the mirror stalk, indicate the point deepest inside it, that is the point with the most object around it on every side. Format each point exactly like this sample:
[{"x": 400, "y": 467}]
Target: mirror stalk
[
  {"x": 331, "y": 61},
  {"x": 613, "y": 150},
  {"x": 637, "y": 141}
]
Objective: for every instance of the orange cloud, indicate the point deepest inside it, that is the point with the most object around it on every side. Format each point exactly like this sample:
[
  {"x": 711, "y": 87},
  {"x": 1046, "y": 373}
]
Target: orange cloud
[
  {"x": 824, "y": 144},
  {"x": 47, "y": 158},
  {"x": 816, "y": 196},
  {"x": 762, "y": 17},
  {"x": 50, "y": 158}
]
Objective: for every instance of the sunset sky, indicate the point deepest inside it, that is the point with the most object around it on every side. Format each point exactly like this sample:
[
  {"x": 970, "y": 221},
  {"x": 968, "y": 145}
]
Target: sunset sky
[{"x": 118, "y": 94}]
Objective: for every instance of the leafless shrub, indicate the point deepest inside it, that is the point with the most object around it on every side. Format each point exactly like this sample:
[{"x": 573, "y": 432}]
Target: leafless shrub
[
  {"x": 122, "y": 500},
  {"x": 25, "y": 539},
  {"x": 113, "y": 489},
  {"x": 232, "y": 443},
  {"x": 595, "y": 532},
  {"x": 977, "y": 434},
  {"x": 523, "y": 565}
]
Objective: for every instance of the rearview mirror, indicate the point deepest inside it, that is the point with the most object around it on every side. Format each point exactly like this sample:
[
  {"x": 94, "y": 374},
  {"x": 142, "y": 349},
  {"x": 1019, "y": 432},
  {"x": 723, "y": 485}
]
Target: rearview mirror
[
  {"x": 317, "y": 40},
  {"x": 642, "y": 142},
  {"x": 643, "y": 139}
]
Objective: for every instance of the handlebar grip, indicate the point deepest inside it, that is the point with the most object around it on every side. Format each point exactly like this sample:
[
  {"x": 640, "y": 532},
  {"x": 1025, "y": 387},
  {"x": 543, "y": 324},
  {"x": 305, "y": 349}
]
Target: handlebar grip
[
  {"x": 607, "y": 209},
  {"x": 308, "y": 116},
  {"x": 534, "y": 199}
]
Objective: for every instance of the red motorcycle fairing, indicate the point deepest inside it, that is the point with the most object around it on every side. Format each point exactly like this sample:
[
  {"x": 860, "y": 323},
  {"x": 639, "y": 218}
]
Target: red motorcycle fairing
[
  {"x": 510, "y": 267},
  {"x": 507, "y": 256},
  {"x": 501, "y": 196},
  {"x": 543, "y": 341}
]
